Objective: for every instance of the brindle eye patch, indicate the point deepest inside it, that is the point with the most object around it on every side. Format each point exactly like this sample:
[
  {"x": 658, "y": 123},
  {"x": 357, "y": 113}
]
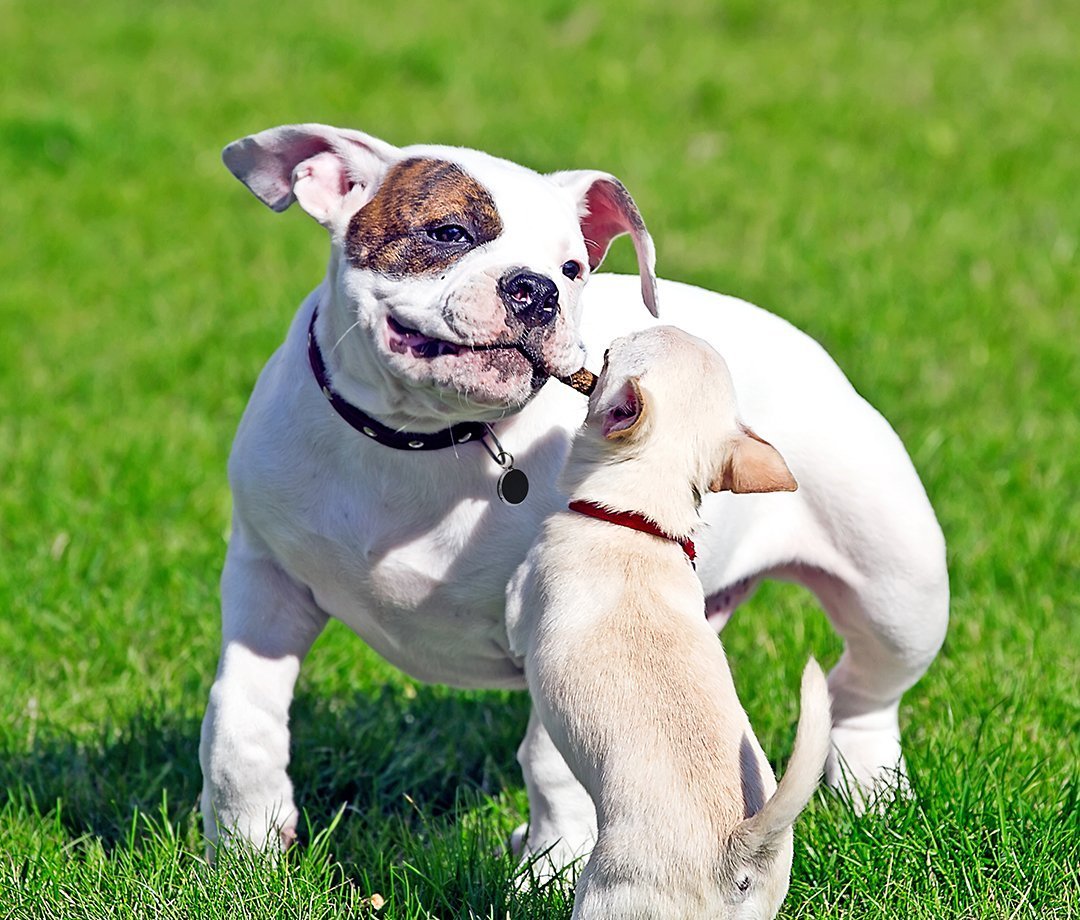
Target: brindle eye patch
[
  {"x": 450, "y": 234},
  {"x": 426, "y": 215}
]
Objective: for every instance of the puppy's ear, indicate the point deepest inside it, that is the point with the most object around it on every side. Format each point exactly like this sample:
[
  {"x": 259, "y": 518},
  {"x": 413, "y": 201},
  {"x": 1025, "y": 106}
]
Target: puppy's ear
[
  {"x": 753, "y": 465},
  {"x": 606, "y": 211},
  {"x": 625, "y": 415},
  {"x": 321, "y": 167}
]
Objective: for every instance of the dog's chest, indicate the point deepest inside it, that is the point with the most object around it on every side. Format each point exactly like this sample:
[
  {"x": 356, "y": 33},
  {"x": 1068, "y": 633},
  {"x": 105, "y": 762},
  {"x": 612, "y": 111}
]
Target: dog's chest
[
  {"x": 413, "y": 551},
  {"x": 421, "y": 579},
  {"x": 434, "y": 566}
]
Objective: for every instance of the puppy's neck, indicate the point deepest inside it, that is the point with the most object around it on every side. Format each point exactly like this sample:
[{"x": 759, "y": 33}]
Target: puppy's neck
[{"x": 635, "y": 484}]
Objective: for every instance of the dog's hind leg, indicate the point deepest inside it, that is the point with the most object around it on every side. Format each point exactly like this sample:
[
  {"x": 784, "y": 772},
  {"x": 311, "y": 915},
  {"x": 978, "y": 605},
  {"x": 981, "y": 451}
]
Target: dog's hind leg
[
  {"x": 268, "y": 624},
  {"x": 892, "y": 631},
  {"x": 890, "y": 605}
]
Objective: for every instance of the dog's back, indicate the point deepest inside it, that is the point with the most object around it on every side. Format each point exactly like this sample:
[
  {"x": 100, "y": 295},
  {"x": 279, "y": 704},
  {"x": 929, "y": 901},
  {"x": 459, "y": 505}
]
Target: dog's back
[{"x": 637, "y": 693}]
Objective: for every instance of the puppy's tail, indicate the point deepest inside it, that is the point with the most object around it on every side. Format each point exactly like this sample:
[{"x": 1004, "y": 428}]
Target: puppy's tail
[{"x": 803, "y": 770}]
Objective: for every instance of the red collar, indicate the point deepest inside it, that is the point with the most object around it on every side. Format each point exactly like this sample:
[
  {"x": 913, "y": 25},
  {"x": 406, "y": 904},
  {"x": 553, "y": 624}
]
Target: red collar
[{"x": 632, "y": 520}]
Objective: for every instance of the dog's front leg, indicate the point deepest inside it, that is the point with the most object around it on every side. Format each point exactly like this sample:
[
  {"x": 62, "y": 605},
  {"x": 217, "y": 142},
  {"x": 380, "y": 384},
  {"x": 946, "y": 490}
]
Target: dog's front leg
[
  {"x": 562, "y": 821},
  {"x": 268, "y": 624}
]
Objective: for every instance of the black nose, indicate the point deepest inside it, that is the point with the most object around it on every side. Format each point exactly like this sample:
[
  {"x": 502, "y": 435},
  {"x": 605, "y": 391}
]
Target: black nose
[{"x": 532, "y": 298}]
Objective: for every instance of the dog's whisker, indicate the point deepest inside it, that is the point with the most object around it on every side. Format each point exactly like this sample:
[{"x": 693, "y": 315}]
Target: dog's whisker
[{"x": 345, "y": 333}]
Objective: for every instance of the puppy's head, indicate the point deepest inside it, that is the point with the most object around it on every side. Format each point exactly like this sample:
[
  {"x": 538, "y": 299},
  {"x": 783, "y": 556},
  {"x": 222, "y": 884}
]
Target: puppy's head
[
  {"x": 457, "y": 274},
  {"x": 664, "y": 405}
]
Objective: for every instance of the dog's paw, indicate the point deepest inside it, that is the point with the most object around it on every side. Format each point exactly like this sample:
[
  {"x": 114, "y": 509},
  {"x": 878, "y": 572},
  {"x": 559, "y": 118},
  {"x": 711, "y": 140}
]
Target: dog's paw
[
  {"x": 867, "y": 767},
  {"x": 268, "y": 833},
  {"x": 287, "y": 836}
]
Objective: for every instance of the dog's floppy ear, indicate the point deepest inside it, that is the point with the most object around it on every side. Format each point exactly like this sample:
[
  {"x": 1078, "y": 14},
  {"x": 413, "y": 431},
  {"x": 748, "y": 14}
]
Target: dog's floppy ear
[
  {"x": 606, "y": 211},
  {"x": 753, "y": 465},
  {"x": 624, "y": 416},
  {"x": 317, "y": 165}
]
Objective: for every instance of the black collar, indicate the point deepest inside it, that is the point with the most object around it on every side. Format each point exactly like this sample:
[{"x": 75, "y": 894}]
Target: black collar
[{"x": 376, "y": 430}]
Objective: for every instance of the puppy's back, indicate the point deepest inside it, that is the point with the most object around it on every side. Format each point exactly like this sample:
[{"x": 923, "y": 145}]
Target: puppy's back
[{"x": 639, "y": 684}]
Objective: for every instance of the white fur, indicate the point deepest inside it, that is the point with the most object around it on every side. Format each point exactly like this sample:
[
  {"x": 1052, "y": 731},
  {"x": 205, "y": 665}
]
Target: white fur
[{"x": 414, "y": 551}]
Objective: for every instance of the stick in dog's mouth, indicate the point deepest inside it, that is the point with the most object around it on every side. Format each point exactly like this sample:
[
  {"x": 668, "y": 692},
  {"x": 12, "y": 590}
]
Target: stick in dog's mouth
[{"x": 583, "y": 380}]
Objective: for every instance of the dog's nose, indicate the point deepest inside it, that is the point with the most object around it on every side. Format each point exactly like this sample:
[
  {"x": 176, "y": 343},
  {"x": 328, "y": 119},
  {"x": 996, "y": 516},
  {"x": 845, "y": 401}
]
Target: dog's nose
[{"x": 532, "y": 298}]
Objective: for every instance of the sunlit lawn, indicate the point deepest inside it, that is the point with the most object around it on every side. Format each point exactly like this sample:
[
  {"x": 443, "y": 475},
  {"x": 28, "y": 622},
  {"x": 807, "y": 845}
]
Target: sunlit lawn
[{"x": 901, "y": 183}]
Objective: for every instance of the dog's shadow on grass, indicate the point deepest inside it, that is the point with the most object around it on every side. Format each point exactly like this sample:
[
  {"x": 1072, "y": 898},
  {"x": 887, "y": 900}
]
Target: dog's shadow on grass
[
  {"x": 404, "y": 749},
  {"x": 401, "y": 751}
]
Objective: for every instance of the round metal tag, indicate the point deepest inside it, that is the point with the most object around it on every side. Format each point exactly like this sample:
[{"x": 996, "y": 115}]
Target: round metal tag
[{"x": 513, "y": 487}]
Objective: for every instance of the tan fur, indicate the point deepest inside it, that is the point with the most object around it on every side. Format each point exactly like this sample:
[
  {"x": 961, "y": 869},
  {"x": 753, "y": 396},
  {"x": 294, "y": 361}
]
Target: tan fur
[
  {"x": 676, "y": 725},
  {"x": 754, "y": 466},
  {"x": 627, "y": 677}
]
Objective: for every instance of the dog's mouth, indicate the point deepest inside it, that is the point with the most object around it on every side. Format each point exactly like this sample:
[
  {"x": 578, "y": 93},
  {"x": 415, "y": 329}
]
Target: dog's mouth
[
  {"x": 406, "y": 341},
  {"x": 500, "y": 372}
]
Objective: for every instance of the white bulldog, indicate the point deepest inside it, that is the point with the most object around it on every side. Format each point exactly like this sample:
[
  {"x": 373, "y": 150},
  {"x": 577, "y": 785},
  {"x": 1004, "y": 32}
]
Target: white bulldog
[{"x": 456, "y": 287}]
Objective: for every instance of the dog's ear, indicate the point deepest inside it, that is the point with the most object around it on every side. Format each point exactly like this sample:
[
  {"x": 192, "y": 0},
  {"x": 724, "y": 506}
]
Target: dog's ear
[
  {"x": 629, "y": 409},
  {"x": 753, "y": 465},
  {"x": 319, "y": 166},
  {"x": 606, "y": 211}
]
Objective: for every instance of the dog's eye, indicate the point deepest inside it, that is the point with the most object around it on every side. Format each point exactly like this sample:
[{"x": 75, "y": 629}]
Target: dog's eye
[
  {"x": 449, "y": 233},
  {"x": 743, "y": 883},
  {"x": 571, "y": 269}
]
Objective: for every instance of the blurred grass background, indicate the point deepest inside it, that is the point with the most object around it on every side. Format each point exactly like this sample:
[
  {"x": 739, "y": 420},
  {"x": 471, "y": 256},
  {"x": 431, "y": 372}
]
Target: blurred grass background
[{"x": 901, "y": 181}]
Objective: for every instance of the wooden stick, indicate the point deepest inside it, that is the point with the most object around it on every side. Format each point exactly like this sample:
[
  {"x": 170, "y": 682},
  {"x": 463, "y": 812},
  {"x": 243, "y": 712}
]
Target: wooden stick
[{"x": 583, "y": 380}]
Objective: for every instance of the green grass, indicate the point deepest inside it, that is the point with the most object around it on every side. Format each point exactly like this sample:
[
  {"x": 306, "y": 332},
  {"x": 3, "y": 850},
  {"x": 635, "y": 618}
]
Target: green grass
[{"x": 903, "y": 184}]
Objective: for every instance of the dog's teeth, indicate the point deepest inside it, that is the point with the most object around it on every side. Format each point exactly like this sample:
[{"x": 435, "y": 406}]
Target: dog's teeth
[{"x": 407, "y": 341}]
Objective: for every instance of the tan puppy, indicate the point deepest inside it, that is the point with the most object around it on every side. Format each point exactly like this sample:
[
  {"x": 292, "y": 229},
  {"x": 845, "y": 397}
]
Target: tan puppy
[{"x": 627, "y": 676}]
